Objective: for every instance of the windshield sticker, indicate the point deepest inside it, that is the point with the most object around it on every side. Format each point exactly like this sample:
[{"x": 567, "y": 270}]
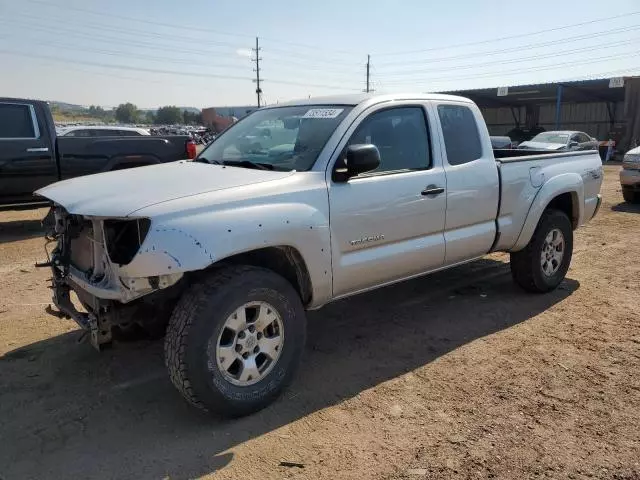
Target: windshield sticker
[{"x": 323, "y": 113}]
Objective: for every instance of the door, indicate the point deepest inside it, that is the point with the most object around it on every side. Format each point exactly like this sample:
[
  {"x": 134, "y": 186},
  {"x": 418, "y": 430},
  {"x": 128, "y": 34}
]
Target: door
[
  {"x": 26, "y": 159},
  {"x": 472, "y": 182},
  {"x": 388, "y": 224}
]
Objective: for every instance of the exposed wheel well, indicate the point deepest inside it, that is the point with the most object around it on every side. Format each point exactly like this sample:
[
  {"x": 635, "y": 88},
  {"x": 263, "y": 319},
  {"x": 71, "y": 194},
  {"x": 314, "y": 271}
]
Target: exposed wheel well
[
  {"x": 284, "y": 260},
  {"x": 567, "y": 203}
]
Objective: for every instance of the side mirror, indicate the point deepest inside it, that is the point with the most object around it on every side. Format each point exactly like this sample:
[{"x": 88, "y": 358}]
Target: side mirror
[
  {"x": 573, "y": 144},
  {"x": 357, "y": 159}
]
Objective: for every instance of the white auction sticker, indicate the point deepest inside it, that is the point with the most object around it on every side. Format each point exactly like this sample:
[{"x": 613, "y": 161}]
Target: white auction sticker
[{"x": 323, "y": 113}]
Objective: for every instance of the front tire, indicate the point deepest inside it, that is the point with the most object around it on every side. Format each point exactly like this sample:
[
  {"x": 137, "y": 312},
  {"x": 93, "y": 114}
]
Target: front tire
[
  {"x": 542, "y": 265},
  {"x": 235, "y": 340}
]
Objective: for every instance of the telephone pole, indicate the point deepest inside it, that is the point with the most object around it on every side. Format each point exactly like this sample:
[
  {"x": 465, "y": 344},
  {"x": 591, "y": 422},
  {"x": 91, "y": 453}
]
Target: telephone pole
[
  {"x": 257, "y": 70},
  {"x": 368, "y": 89}
]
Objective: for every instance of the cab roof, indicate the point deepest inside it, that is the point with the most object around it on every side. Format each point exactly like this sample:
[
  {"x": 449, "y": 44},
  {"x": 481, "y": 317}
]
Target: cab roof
[{"x": 358, "y": 98}]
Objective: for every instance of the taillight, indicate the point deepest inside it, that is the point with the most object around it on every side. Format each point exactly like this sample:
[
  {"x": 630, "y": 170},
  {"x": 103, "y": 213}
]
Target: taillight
[{"x": 191, "y": 149}]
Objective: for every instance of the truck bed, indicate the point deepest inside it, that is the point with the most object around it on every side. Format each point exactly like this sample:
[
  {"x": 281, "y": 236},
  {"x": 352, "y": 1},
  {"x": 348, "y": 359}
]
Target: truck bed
[
  {"x": 522, "y": 177},
  {"x": 514, "y": 155}
]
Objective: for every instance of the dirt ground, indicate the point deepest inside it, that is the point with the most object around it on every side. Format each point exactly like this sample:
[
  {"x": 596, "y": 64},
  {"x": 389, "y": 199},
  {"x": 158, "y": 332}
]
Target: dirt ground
[{"x": 455, "y": 375}]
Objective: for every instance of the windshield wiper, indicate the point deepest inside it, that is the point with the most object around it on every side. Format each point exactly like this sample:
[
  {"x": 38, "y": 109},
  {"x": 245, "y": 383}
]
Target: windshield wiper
[
  {"x": 248, "y": 164},
  {"x": 205, "y": 160}
]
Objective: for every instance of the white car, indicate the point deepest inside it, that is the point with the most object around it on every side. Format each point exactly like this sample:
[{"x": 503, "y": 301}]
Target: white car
[
  {"x": 630, "y": 176},
  {"x": 102, "y": 131},
  {"x": 563, "y": 140}
]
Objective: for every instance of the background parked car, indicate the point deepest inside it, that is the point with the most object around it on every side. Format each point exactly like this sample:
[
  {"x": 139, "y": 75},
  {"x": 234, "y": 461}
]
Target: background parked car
[
  {"x": 102, "y": 131},
  {"x": 630, "y": 176},
  {"x": 33, "y": 155},
  {"x": 560, "y": 140}
]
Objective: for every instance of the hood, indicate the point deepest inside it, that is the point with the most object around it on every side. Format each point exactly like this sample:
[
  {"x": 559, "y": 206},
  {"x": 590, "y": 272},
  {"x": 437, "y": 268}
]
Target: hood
[
  {"x": 122, "y": 192},
  {"x": 634, "y": 151},
  {"x": 542, "y": 146}
]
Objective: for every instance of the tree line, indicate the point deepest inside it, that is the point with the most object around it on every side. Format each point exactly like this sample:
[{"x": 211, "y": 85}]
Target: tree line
[{"x": 168, "y": 115}]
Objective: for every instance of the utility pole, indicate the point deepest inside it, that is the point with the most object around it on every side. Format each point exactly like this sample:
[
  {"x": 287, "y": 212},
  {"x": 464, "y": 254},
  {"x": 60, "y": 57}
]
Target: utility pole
[
  {"x": 257, "y": 70},
  {"x": 368, "y": 74}
]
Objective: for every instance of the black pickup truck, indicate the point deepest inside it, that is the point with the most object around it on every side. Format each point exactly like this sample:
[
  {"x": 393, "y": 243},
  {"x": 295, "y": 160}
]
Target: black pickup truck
[{"x": 32, "y": 156}]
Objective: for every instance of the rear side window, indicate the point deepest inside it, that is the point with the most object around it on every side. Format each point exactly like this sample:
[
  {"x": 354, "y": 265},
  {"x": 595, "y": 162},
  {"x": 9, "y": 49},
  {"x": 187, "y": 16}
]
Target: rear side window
[
  {"x": 79, "y": 133},
  {"x": 109, "y": 133},
  {"x": 460, "y": 131},
  {"x": 16, "y": 121}
]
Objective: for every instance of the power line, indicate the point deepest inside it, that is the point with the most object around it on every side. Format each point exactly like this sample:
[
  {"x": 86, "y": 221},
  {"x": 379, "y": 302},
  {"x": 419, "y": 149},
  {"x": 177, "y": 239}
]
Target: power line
[
  {"x": 515, "y": 49},
  {"x": 303, "y": 56},
  {"x": 122, "y": 53},
  {"x": 510, "y": 37},
  {"x": 308, "y": 46},
  {"x": 135, "y": 34},
  {"x": 594, "y": 76},
  {"x": 164, "y": 47},
  {"x": 522, "y": 70},
  {"x": 353, "y": 69},
  {"x": 93, "y": 36},
  {"x": 633, "y": 41},
  {"x": 167, "y": 72},
  {"x": 164, "y": 59},
  {"x": 140, "y": 20},
  {"x": 176, "y": 26},
  {"x": 377, "y": 82}
]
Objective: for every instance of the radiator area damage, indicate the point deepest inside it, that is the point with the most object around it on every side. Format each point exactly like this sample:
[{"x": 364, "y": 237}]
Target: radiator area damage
[{"x": 89, "y": 258}]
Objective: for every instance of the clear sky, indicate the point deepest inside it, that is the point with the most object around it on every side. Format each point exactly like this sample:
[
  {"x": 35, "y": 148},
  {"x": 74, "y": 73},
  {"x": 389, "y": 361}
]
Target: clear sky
[{"x": 197, "y": 53}]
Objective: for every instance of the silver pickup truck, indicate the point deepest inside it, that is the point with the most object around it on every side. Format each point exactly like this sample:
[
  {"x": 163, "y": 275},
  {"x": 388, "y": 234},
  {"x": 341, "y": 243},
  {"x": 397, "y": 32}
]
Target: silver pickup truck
[{"x": 293, "y": 207}]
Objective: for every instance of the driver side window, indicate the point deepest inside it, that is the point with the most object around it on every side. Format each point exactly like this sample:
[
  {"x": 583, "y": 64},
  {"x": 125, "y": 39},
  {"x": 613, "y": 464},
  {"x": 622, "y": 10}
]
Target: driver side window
[{"x": 401, "y": 137}]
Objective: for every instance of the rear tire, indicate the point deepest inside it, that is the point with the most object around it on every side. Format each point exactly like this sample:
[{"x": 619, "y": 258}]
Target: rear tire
[
  {"x": 219, "y": 353},
  {"x": 542, "y": 265},
  {"x": 630, "y": 196}
]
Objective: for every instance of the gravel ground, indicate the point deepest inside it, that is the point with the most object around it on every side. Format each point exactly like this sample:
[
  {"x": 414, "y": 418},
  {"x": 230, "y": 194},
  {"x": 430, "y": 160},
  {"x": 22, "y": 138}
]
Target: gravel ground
[{"x": 455, "y": 375}]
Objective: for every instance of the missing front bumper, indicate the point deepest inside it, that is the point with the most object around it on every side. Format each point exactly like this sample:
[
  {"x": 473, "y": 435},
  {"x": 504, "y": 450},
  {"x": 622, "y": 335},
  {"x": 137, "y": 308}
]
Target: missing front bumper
[
  {"x": 97, "y": 322},
  {"x": 81, "y": 263}
]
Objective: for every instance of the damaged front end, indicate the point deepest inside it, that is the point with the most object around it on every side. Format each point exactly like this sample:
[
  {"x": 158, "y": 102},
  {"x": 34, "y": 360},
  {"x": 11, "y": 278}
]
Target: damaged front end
[{"x": 88, "y": 258}]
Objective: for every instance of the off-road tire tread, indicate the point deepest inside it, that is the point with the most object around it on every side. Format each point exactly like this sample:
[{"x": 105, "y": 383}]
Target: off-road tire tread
[
  {"x": 178, "y": 330},
  {"x": 522, "y": 262}
]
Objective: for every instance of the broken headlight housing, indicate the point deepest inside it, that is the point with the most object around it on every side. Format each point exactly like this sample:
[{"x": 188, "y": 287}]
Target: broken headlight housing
[{"x": 123, "y": 238}]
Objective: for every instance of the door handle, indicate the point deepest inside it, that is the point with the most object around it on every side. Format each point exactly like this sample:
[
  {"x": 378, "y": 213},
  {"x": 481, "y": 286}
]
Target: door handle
[
  {"x": 40, "y": 149},
  {"x": 432, "y": 190}
]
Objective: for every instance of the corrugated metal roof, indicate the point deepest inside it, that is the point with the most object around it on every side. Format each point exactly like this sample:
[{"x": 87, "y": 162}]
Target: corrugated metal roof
[{"x": 573, "y": 92}]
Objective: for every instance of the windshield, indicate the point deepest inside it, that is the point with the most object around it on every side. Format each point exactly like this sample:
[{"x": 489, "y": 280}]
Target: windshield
[
  {"x": 284, "y": 138},
  {"x": 550, "y": 137}
]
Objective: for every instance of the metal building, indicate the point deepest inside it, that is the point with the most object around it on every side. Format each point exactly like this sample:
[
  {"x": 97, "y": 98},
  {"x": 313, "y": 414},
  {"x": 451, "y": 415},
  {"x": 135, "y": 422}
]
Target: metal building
[{"x": 607, "y": 108}]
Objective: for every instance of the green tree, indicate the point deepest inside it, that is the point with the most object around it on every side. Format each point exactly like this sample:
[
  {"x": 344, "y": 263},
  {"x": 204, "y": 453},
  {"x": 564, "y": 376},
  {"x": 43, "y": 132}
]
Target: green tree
[
  {"x": 150, "y": 117},
  {"x": 127, "y": 113},
  {"x": 192, "y": 118},
  {"x": 168, "y": 115},
  {"x": 97, "y": 111}
]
